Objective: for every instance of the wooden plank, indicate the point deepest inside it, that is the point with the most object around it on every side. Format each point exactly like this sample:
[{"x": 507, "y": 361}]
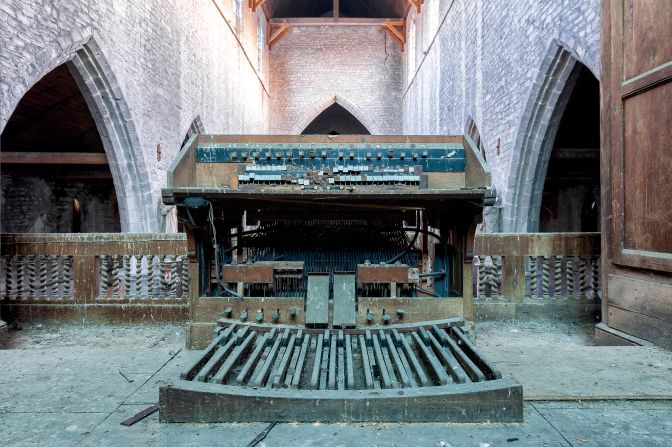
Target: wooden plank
[
  {"x": 92, "y": 244},
  {"x": 537, "y": 244},
  {"x": 250, "y": 364},
  {"x": 50, "y": 158},
  {"x": 453, "y": 366},
  {"x": 414, "y": 362},
  {"x": 492, "y": 401},
  {"x": 645, "y": 297},
  {"x": 317, "y": 300},
  {"x": 643, "y": 326},
  {"x": 279, "y": 375},
  {"x": 340, "y": 380},
  {"x": 261, "y": 378},
  {"x": 475, "y": 374},
  {"x": 315, "y": 377},
  {"x": 384, "y": 373},
  {"x": 401, "y": 370},
  {"x": 513, "y": 269},
  {"x": 431, "y": 361},
  {"x": 350, "y": 369},
  {"x": 296, "y": 378},
  {"x": 332, "y": 363},
  {"x": 344, "y": 311},
  {"x": 474, "y": 354},
  {"x": 366, "y": 364}
]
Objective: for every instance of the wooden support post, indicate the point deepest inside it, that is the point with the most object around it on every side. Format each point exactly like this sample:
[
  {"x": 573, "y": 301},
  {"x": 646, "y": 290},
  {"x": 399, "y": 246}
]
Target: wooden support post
[
  {"x": 513, "y": 270},
  {"x": 85, "y": 279},
  {"x": 337, "y": 12}
]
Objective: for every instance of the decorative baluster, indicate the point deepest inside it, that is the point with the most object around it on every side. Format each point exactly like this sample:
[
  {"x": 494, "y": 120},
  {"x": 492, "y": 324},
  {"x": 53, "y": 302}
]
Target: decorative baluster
[
  {"x": 104, "y": 276},
  {"x": 173, "y": 277},
  {"x": 595, "y": 277},
  {"x": 570, "y": 277},
  {"x": 496, "y": 290},
  {"x": 557, "y": 277},
  {"x": 67, "y": 276},
  {"x": 481, "y": 277},
  {"x": 583, "y": 286},
  {"x": 43, "y": 276},
  {"x": 157, "y": 274},
  {"x": 165, "y": 275},
  {"x": 10, "y": 263},
  {"x": 184, "y": 280},
  {"x": 533, "y": 276},
  {"x": 546, "y": 277},
  {"x": 126, "y": 272},
  {"x": 115, "y": 276},
  {"x": 138, "y": 276},
  {"x": 52, "y": 277},
  {"x": 32, "y": 279}
]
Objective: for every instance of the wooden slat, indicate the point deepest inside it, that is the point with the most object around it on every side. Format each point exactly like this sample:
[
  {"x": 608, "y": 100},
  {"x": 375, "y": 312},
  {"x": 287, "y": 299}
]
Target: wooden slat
[
  {"x": 474, "y": 354},
  {"x": 643, "y": 326},
  {"x": 401, "y": 370},
  {"x": 252, "y": 359},
  {"x": 414, "y": 362},
  {"x": 384, "y": 373},
  {"x": 645, "y": 297},
  {"x": 315, "y": 377},
  {"x": 285, "y": 361},
  {"x": 431, "y": 361},
  {"x": 215, "y": 361},
  {"x": 296, "y": 378},
  {"x": 537, "y": 244},
  {"x": 475, "y": 374},
  {"x": 260, "y": 380},
  {"x": 193, "y": 369},
  {"x": 350, "y": 369},
  {"x": 50, "y": 158},
  {"x": 366, "y": 364},
  {"x": 92, "y": 244},
  {"x": 234, "y": 359},
  {"x": 454, "y": 368}
]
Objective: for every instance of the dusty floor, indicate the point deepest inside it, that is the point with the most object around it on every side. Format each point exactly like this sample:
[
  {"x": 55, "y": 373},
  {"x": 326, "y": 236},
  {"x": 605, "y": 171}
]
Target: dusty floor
[{"x": 73, "y": 385}]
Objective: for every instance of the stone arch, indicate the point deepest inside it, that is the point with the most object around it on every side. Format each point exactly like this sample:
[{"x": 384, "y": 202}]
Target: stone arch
[
  {"x": 534, "y": 142},
  {"x": 97, "y": 83},
  {"x": 195, "y": 128},
  {"x": 320, "y": 107}
]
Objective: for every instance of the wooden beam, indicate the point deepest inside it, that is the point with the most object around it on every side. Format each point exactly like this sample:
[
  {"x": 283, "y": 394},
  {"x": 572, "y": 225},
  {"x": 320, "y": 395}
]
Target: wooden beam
[
  {"x": 417, "y": 4},
  {"x": 254, "y": 4},
  {"x": 277, "y": 34},
  {"x": 337, "y": 9},
  {"x": 334, "y": 21},
  {"x": 396, "y": 29},
  {"x": 51, "y": 158}
]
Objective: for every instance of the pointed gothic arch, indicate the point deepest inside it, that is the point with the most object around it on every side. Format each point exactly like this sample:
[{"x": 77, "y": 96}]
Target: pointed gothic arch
[
  {"x": 105, "y": 100},
  {"x": 315, "y": 111},
  {"x": 536, "y": 135}
]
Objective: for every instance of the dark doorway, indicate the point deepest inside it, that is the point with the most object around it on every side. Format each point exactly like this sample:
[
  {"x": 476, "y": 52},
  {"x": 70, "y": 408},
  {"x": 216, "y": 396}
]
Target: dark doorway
[
  {"x": 571, "y": 197},
  {"x": 336, "y": 120},
  {"x": 55, "y": 174}
]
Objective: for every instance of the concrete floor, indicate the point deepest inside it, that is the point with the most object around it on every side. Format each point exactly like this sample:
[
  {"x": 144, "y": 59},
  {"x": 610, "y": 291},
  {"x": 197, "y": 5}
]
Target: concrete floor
[{"x": 69, "y": 385}]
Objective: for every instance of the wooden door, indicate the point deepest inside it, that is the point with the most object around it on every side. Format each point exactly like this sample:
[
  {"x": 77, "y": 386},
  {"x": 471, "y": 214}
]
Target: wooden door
[{"x": 637, "y": 167}]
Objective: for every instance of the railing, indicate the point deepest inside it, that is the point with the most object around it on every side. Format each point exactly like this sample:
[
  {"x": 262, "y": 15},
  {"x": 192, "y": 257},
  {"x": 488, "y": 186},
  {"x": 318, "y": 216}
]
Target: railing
[
  {"x": 132, "y": 269},
  {"x": 515, "y": 266}
]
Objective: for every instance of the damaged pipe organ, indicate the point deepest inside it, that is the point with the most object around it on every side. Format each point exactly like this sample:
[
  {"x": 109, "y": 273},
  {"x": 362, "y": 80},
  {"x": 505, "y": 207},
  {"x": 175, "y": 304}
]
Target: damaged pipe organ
[
  {"x": 333, "y": 270},
  {"x": 331, "y": 232}
]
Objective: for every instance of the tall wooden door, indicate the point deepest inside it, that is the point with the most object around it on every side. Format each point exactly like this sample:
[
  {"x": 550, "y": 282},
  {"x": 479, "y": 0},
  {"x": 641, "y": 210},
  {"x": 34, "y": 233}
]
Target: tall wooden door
[{"x": 637, "y": 168}]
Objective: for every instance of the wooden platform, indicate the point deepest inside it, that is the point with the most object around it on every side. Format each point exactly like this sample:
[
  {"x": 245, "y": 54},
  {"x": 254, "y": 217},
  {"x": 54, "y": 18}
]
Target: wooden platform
[{"x": 426, "y": 372}]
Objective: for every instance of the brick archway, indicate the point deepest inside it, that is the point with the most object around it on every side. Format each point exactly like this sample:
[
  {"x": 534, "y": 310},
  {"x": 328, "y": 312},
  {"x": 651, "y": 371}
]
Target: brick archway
[
  {"x": 534, "y": 141},
  {"x": 97, "y": 83},
  {"x": 320, "y": 107}
]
